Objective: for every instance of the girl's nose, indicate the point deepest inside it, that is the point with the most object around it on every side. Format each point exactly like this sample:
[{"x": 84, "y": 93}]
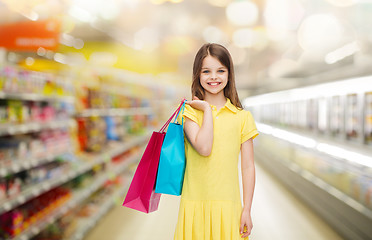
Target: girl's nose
[{"x": 213, "y": 76}]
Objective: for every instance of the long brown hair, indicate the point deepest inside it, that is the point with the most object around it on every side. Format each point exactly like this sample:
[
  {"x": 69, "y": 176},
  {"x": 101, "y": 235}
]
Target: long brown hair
[{"x": 223, "y": 55}]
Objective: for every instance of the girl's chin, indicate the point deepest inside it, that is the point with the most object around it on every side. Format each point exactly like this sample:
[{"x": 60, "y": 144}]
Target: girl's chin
[{"x": 214, "y": 91}]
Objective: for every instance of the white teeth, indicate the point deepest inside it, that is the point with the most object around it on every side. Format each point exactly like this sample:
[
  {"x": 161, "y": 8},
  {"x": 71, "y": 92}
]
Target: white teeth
[{"x": 214, "y": 84}]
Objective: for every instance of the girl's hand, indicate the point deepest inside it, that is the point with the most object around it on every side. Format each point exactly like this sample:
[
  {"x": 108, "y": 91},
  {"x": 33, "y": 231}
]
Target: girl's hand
[
  {"x": 246, "y": 224},
  {"x": 198, "y": 104}
]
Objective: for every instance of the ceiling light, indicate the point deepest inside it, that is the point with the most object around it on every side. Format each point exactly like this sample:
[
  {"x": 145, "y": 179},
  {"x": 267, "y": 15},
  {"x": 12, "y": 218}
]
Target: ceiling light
[
  {"x": 33, "y": 16},
  {"x": 320, "y": 32},
  {"x": 59, "y": 57},
  {"x": 342, "y": 52},
  {"x": 30, "y": 61},
  {"x": 41, "y": 51},
  {"x": 242, "y": 13},
  {"x": 66, "y": 40},
  {"x": 78, "y": 43}
]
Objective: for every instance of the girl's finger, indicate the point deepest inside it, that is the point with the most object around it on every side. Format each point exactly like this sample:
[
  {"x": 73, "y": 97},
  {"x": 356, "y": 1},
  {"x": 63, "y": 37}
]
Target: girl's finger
[
  {"x": 241, "y": 228},
  {"x": 195, "y": 98},
  {"x": 247, "y": 233}
]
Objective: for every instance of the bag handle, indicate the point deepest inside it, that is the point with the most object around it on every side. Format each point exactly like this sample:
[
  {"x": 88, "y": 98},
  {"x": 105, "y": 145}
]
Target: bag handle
[
  {"x": 183, "y": 103},
  {"x": 170, "y": 119}
]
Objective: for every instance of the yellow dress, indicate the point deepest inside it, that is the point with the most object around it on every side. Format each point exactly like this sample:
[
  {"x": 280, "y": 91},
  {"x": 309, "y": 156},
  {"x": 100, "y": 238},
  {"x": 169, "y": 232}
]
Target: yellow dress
[{"x": 210, "y": 205}]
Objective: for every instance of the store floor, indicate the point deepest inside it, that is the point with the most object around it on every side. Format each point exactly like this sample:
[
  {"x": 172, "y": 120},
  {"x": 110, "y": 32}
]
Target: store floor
[{"x": 277, "y": 214}]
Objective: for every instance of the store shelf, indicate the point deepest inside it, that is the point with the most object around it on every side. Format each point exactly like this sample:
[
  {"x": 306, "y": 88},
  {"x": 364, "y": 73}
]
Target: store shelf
[
  {"x": 89, "y": 223},
  {"x": 128, "y": 145},
  {"x": 11, "y": 128},
  {"x": 35, "y": 97},
  {"x": 45, "y": 186},
  {"x": 25, "y": 164},
  {"x": 77, "y": 198},
  {"x": 119, "y": 112}
]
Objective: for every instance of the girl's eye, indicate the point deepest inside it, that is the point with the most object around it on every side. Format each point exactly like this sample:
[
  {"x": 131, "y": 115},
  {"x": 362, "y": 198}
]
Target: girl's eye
[
  {"x": 221, "y": 71},
  {"x": 205, "y": 71}
]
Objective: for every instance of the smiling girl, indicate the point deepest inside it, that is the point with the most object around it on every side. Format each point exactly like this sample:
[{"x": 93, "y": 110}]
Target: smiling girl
[{"x": 217, "y": 129}]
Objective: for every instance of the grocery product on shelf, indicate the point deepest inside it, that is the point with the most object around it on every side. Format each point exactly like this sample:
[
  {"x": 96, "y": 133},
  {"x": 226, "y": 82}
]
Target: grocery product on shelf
[
  {"x": 14, "y": 222},
  {"x": 16, "y": 80},
  {"x": 26, "y": 148}
]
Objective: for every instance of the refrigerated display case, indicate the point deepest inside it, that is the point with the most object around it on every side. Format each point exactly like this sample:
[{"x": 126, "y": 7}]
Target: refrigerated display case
[
  {"x": 325, "y": 163},
  {"x": 322, "y": 115},
  {"x": 336, "y": 116},
  {"x": 368, "y": 119},
  {"x": 352, "y": 117},
  {"x": 312, "y": 112},
  {"x": 301, "y": 114}
]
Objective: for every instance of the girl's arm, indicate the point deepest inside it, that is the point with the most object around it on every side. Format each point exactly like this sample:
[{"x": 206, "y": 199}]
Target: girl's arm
[
  {"x": 201, "y": 138},
  {"x": 248, "y": 179}
]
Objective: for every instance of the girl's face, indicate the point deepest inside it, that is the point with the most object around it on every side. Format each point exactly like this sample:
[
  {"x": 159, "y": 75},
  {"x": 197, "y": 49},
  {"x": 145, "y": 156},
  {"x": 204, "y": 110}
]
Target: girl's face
[{"x": 214, "y": 75}]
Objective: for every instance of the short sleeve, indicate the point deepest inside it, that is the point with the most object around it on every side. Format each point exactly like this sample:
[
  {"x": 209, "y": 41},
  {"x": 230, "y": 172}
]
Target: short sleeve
[
  {"x": 249, "y": 129},
  {"x": 190, "y": 113}
]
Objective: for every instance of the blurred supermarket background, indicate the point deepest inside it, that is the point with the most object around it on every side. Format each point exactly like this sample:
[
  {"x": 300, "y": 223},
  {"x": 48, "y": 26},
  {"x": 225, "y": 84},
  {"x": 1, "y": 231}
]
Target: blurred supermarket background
[{"x": 84, "y": 82}]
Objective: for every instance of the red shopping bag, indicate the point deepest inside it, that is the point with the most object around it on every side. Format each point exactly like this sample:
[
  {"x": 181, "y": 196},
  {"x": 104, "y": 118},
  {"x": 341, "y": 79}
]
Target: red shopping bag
[{"x": 141, "y": 195}]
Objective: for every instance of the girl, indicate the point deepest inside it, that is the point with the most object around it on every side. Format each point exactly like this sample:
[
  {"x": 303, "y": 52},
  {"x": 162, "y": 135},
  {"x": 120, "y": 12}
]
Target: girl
[{"x": 216, "y": 129}]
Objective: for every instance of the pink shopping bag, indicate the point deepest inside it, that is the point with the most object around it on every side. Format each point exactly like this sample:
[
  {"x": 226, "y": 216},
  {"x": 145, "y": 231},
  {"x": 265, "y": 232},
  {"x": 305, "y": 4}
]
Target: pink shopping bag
[{"x": 141, "y": 195}]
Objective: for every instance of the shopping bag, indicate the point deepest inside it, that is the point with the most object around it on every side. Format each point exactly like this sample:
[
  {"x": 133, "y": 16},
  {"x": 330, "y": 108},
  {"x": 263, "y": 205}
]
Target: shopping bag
[
  {"x": 172, "y": 160},
  {"x": 141, "y": 194}
]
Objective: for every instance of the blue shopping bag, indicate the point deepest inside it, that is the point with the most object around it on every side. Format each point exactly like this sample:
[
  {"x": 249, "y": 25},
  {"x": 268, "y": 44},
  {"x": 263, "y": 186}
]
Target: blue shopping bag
[{"x": 172, "y": 161}]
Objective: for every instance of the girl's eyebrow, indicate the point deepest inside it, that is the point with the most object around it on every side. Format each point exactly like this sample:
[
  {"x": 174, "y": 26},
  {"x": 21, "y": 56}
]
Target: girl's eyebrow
[{"x": 208, "y": 67}]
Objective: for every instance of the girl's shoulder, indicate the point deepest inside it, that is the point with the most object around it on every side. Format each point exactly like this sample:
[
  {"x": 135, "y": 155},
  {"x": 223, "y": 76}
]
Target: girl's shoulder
[{"x": 244, "y": 114}]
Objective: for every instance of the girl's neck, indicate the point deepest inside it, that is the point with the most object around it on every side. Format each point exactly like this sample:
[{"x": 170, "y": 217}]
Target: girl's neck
[{"x": 218, "y": 100}]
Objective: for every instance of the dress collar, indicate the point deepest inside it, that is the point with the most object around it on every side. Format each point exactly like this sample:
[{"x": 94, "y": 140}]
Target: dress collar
[{"x": 228, "y": 105}]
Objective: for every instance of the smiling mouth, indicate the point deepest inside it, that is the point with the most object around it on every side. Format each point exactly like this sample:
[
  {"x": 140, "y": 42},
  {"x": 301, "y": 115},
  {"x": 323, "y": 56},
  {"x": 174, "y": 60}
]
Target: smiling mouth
[{"x": 214, "y": 83}]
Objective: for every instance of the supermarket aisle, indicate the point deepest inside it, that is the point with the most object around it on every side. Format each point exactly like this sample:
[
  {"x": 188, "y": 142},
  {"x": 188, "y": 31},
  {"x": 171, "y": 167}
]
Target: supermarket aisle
[{"x": 277, "y": 214}]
